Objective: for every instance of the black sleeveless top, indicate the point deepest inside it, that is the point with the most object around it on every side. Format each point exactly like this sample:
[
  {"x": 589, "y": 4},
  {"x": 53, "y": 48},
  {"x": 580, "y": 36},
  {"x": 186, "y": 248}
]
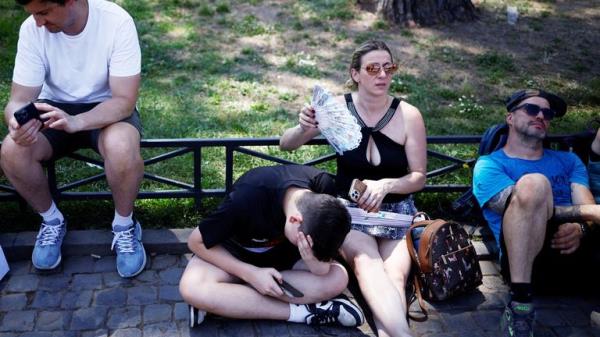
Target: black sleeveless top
[{"x": 354, "y": 164}]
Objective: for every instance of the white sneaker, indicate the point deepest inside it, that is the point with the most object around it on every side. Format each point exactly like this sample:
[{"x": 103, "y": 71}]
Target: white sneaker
[
  {"x": 337, "y": 310},
  {"x": 196, "y": 316}
]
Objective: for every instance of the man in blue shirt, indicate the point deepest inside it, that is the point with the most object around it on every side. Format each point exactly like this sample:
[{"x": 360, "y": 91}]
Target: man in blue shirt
[{"x": 519, "y": 187}]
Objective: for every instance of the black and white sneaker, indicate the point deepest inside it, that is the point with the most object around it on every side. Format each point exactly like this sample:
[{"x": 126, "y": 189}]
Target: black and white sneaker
[
  {"x": 196, "y": 316},
  {"x": 337, "y": 310}
]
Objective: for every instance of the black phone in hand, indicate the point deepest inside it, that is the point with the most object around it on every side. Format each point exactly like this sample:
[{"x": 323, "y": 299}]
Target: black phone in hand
[
  {"x": 289, "y": 290},
  {"x": 27, "y": 113}
]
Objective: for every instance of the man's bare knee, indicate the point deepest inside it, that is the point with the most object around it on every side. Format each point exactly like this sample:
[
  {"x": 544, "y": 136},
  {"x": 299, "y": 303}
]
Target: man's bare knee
[
  {"x": 335, "y": 281},
  {"x": 194, "y": 286},
  {"x": 531, "y": 190},
  {"x": 13, "y": 155}
]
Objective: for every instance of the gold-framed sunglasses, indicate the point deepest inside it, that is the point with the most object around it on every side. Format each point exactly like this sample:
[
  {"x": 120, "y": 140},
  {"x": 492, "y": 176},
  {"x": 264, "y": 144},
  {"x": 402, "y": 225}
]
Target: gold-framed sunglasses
[{"x": 374, "y": 69}]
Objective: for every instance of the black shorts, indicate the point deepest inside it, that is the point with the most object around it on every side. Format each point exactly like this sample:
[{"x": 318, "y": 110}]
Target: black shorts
[
  {"x": 555, "y": 273},
  {"x": 64, "y": 143},
  {"x": 280, "y": 257}
]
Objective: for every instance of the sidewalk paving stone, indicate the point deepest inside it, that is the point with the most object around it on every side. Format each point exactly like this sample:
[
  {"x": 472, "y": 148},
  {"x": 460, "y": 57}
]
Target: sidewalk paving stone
[
  {"x": 88, "y": 318},
  {"x": 112, "y": 279},
  {"x": 76, "y": 299},
  {"x": 141, "y": 295},
  {"x": 124, "y": 317},
  {"x": 52, "y": 320},
  {"x": 22, "y": 283},
  {"x": 169, "y": 293},
  {"x": 129, "y": 332},
  {"x": 95, "y": 333},
  {"x": 86, "y": 282},
  {"x": 154, "y": 313},
  {"x": 147, "y": 277},
  {"x": 432, "y": 325},
  {"x": 56, "y": 282},
  {"x": 12, "y": 302},
  {"x": 86, "y": 298},
  {"x": 112, "y": 296},
  {"x": 47, "y": 299},
  {"x": 18, "y": 321},
  {"x": 181, "y": 311},
  {"x": 171, "y": 275},
  {"x": 164, "y": 261},
  {"x": 166, "y": 329}
]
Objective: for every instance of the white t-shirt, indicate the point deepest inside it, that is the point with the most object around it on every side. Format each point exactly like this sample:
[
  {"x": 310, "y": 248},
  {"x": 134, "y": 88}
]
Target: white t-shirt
[{"x": 76, "y": 68}]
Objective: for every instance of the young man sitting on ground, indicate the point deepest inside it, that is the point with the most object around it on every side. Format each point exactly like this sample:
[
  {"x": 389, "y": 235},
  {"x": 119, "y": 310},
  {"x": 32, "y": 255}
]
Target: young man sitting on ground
[{"x": 277, "y": 223}]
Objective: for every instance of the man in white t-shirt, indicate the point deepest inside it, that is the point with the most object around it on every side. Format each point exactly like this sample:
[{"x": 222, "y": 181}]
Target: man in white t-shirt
[{"x": 80, "y": 61}]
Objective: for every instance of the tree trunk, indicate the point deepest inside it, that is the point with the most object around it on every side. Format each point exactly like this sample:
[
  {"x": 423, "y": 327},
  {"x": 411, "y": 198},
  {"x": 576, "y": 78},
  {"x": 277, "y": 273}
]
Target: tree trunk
[{"x": 421, "y": 12}]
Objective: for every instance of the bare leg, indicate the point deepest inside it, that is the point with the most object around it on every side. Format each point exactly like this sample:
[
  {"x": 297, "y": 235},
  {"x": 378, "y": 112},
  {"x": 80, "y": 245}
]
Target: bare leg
[
  {"x": 316, "y": 288},
  {"x": 211, "y": 289},
  {"x": 524, "y": 224},
  {"x": 22, "y": 166},
  {"x": 119, "y": 145},
  {"x": 378, "y": 288},
  {"x": 396, "y": 261}
]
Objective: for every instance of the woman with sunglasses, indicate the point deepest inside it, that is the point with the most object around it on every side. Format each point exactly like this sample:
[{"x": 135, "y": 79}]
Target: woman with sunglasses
[{"x": 391, "y": 160}]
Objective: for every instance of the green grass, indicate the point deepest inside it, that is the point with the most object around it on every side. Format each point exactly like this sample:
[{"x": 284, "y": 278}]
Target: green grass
[{"x": 222, "y": 68}]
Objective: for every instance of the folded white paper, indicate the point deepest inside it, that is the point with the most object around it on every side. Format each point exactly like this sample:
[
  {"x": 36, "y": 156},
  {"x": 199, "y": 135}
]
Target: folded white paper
[{"x": 381, "y": 218}]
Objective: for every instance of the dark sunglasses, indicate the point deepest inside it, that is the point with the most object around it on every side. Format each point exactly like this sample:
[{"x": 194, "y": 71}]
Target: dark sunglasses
[
  {"x": 374, "y": 69},
  {"x": 533, "y": 110}
]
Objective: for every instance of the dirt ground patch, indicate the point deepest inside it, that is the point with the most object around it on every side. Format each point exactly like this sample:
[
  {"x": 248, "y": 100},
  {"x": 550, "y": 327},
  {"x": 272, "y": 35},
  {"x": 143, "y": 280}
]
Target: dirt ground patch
[{"x": 553, "y": 45}]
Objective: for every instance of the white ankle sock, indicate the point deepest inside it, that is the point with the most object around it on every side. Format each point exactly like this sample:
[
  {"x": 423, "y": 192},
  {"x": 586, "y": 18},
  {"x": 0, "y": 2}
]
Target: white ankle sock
[
  {"x": 120, "y": 220},
  {"x": 298, "y": 313},
  {"x": 52, "y": 213}
]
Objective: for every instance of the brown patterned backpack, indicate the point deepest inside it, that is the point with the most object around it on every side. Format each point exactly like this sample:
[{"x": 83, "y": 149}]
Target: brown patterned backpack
[{"x": 444, "y": 260}]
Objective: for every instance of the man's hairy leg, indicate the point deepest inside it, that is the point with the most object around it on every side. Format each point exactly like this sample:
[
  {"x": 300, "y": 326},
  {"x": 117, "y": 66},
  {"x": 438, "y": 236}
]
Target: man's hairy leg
[
  {"x": 119, "y": 145},
  {"x": 22, "y": 166},
  {"x": 211, "y": 289},
  {"x": 524, "y": 224}
]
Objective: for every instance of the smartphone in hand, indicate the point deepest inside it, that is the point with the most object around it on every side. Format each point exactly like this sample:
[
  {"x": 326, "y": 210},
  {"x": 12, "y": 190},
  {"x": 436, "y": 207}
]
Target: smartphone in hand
[
  {"x": 27, "y": 113},
  {"x": 289, "y": 290},
  {"x": 356, "y": 190}
]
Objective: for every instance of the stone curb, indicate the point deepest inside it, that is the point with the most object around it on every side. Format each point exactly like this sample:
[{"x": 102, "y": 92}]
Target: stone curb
[{"x": 18, "y": 246}]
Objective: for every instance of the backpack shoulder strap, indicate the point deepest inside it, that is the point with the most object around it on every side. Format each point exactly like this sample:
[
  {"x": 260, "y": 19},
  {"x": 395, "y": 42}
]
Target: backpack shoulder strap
[
  {"x": 425, "y": 244},
  {"x": 493, "y": 138}
]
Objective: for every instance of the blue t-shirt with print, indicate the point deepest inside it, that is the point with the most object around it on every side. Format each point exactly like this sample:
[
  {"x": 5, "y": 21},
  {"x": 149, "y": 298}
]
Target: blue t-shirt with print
[{"x": 496, "y": 171}]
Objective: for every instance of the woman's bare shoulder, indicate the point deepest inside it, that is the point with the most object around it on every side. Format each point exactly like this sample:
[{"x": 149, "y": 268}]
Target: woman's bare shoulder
[{"x": 408, "y": 108}]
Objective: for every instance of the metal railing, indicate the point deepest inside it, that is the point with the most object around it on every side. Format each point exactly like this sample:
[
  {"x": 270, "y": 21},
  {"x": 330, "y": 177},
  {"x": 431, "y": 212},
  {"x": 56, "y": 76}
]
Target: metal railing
[{"x": 178, "y": 147}]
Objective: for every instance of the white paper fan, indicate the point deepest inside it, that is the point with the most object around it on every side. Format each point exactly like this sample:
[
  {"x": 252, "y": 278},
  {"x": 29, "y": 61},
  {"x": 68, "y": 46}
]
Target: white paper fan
[{"x": 336, "y": 122}]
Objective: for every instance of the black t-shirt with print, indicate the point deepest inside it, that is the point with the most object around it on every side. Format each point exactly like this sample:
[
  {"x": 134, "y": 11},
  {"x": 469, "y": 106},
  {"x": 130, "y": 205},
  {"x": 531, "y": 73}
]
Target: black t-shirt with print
[{"x": 252, "y": 213}]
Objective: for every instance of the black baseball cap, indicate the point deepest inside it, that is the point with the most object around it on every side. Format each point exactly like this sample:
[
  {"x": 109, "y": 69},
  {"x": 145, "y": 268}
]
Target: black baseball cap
[{"x": 556, "y": 103}]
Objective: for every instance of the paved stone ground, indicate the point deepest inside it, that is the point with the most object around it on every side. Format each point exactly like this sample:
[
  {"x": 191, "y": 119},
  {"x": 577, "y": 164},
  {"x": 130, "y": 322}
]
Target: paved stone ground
[{"x": 86, "y": 298}]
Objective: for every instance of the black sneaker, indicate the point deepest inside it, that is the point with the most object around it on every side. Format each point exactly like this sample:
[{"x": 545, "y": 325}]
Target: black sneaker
[
  {"x": 196, "y": 316},
  {"x": 517, "y": 320},
  {"x": 337, "y": 310}
]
